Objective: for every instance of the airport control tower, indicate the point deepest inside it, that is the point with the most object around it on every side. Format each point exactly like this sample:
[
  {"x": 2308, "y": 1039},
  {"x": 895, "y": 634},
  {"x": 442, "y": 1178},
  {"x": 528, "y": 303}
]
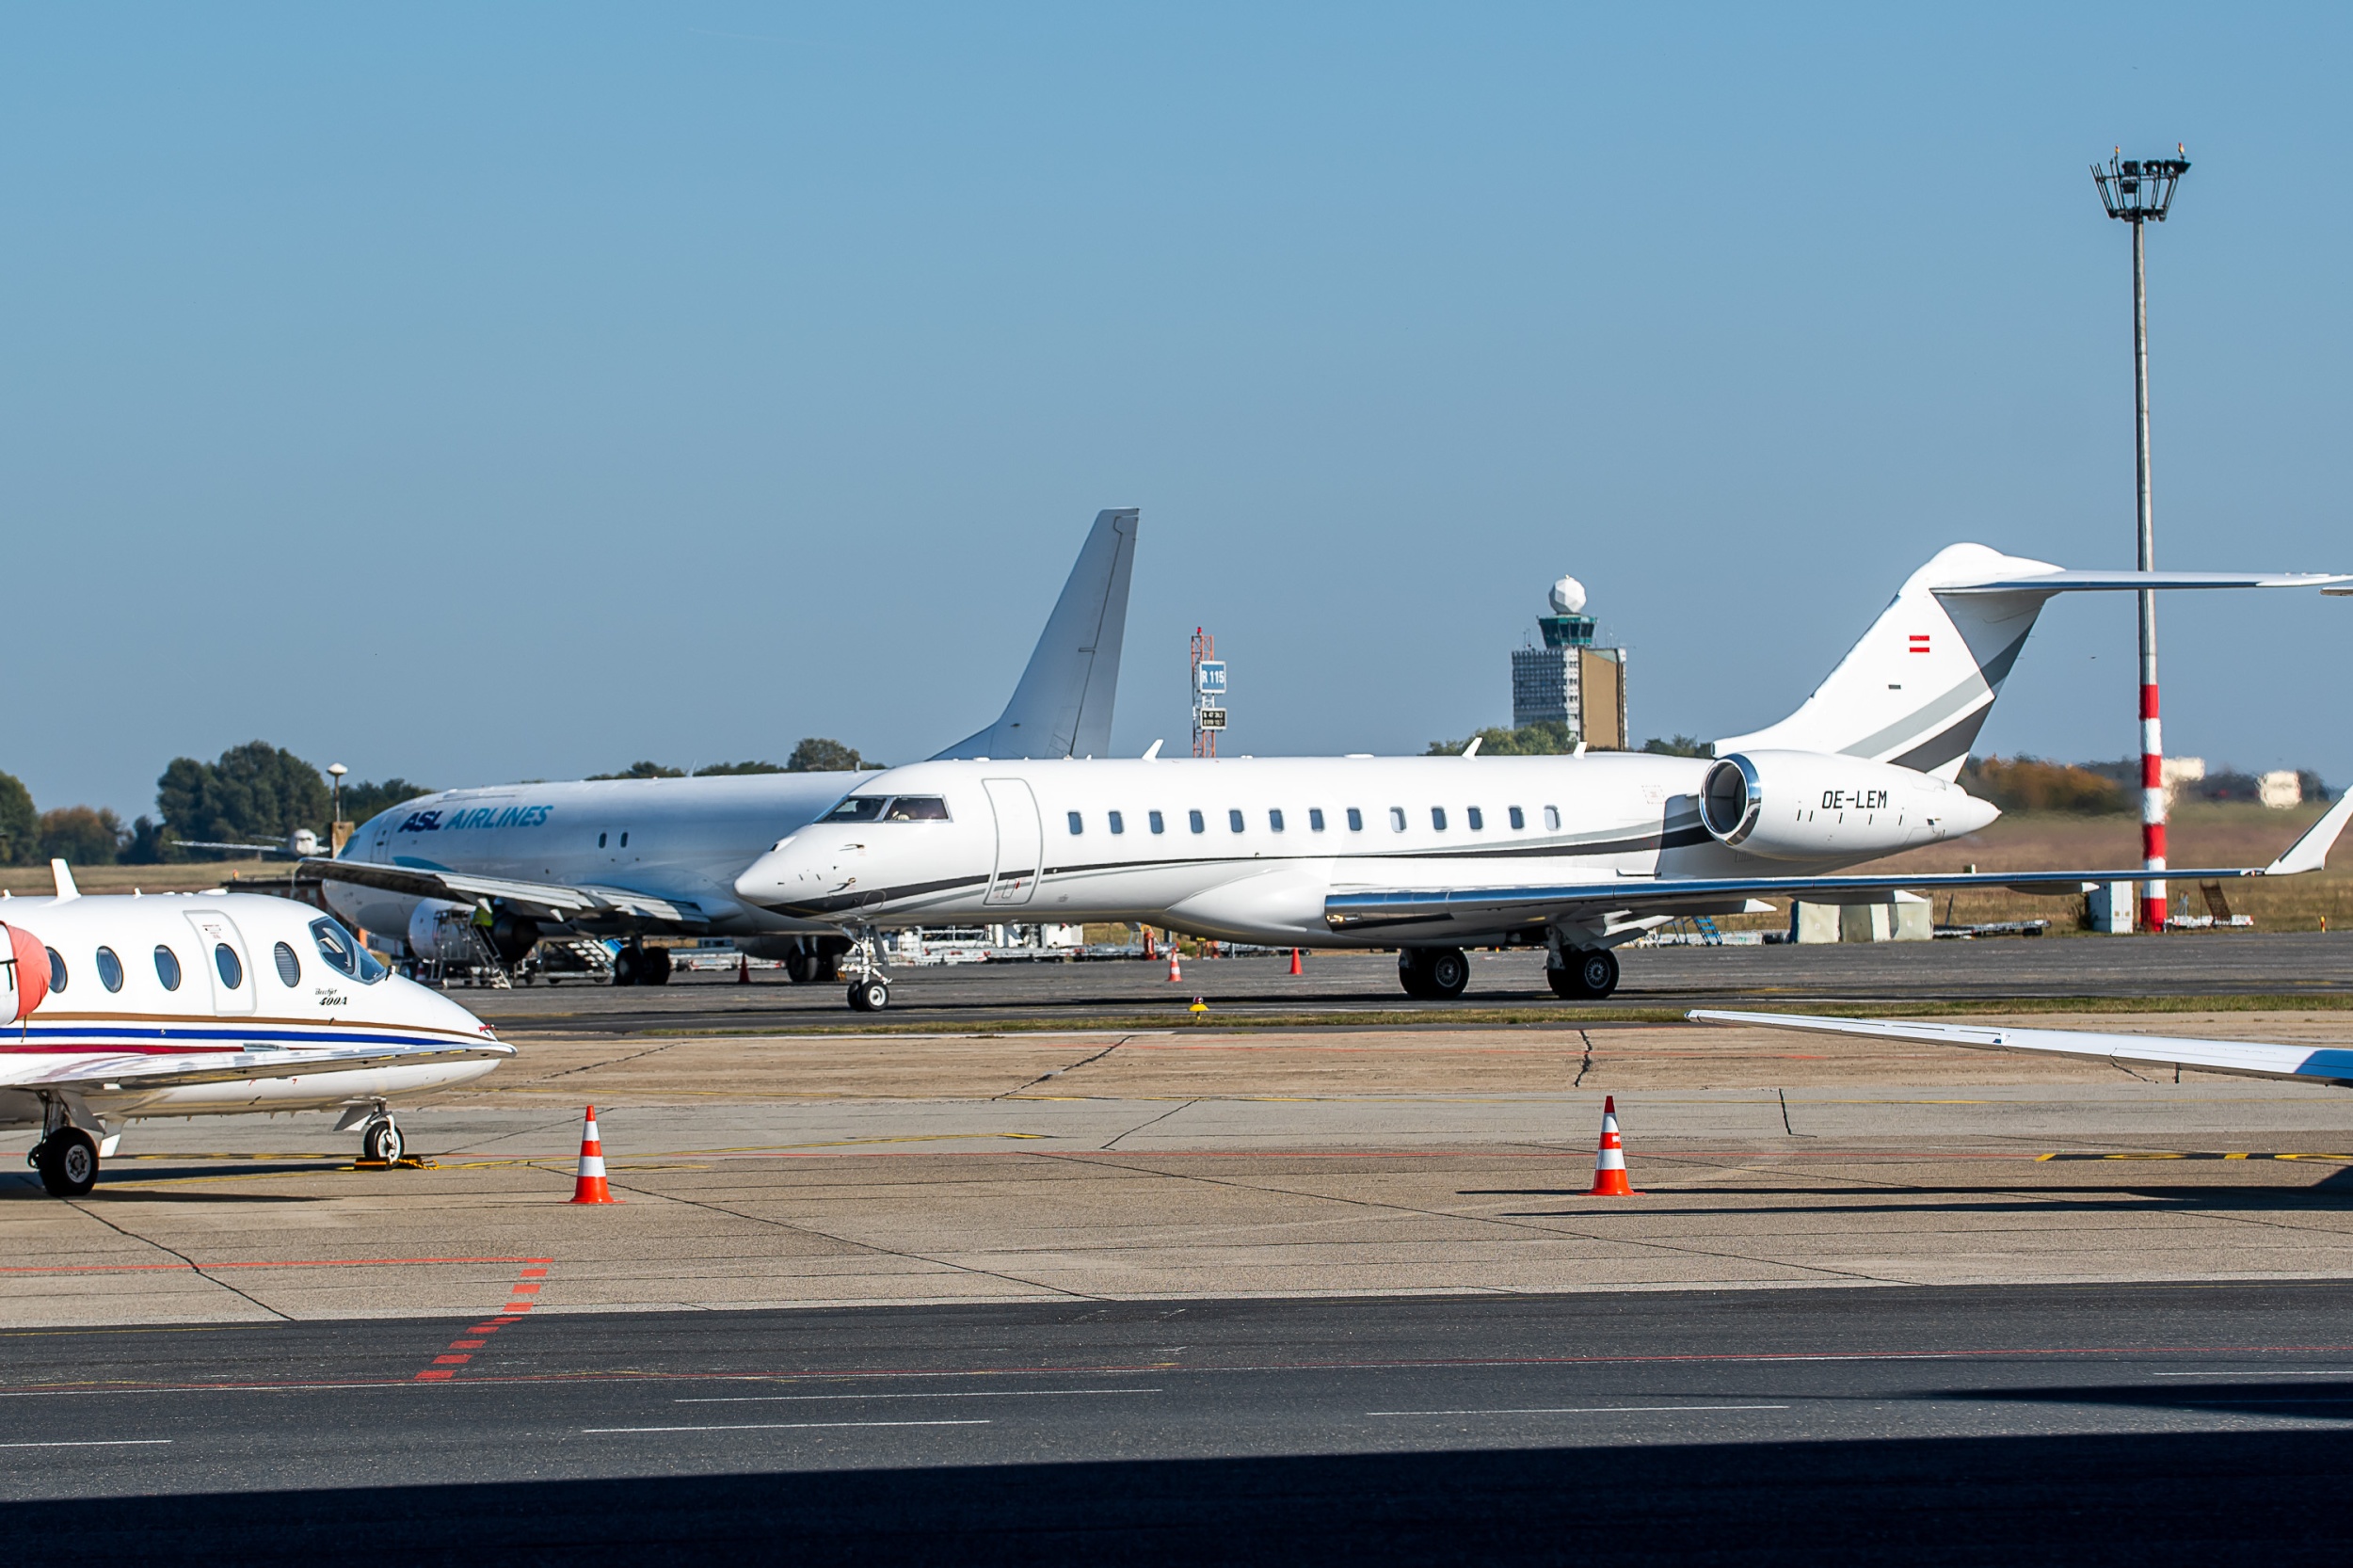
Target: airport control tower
[{"x": 1569, "y": 680}]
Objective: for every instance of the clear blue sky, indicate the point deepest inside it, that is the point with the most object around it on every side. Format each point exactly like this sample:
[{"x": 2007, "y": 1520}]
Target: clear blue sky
[{"x": 478, "y": 392}]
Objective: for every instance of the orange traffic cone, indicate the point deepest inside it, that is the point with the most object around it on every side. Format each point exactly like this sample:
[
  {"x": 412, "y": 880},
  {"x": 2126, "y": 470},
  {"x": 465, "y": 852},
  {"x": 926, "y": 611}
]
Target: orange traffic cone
[
  {"x": 1609, "y": 1164},
  {"x": 1294, "y": 960},
  {"x": 743, "y": 969},
  {"x": 1176, "y": 970},
  {"x": 590, "y": 1187}
]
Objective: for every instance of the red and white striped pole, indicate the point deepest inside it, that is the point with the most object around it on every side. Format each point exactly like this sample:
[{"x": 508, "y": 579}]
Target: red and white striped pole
[{"x": 2152, "y": 893}]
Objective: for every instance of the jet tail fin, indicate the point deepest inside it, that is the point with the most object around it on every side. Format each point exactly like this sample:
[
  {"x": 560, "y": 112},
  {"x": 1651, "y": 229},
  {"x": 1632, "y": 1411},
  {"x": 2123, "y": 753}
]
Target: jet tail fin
[
  {"x": 1920, "y": 684},
  {"x": 1063, "y": 705}
]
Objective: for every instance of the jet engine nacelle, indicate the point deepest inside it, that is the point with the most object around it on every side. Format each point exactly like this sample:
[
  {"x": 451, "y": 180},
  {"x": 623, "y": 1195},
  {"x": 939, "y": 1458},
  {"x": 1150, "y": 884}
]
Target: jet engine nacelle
[
  {"x": 436, "y": 930},
  {"x": 1806, "y": 806}
]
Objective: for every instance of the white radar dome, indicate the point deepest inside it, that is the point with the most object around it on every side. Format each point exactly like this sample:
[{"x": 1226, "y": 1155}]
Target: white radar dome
[{"x": 1568, "y": 596}]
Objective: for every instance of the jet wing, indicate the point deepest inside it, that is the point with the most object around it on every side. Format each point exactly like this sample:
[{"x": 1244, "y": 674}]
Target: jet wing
[
  {"x": 2129, "y": 582},
  {"x": 97, "y": 1076},
  {"x": 1432, "y": 912},
  {"x": 551, "y": 900},
  {"x": 2245, "y": 1058}
]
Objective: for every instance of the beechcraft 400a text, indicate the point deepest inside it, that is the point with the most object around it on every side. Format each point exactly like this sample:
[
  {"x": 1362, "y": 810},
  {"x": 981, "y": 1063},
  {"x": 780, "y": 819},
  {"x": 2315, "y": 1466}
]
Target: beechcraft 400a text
[{"x": 1434, "y": 855}]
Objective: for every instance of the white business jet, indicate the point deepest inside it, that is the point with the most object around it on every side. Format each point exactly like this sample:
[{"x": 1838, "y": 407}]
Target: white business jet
[
  {"x": 643, "y": 856},
  {"x": 200, "y": 1004},
  {"x": 1434, "y": 855}
]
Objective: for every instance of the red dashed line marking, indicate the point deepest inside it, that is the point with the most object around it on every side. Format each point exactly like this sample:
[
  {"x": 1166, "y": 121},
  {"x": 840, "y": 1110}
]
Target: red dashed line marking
[{"x": 460, "y": 1352}]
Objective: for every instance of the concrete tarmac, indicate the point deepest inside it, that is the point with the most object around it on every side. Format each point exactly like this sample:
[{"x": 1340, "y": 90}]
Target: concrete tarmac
[{"x": 1342, "y": 984}]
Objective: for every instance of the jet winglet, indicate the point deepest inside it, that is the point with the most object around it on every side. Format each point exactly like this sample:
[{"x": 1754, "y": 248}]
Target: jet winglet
[
  {"x": 2311, "y": 852},
  {"x": 62, "y": 874},
  {"x": 1062, "y": 706}
]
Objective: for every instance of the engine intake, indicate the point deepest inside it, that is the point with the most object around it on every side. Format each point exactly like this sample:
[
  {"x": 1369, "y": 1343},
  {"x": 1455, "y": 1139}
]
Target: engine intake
[{"x": 1805, "y": 806}]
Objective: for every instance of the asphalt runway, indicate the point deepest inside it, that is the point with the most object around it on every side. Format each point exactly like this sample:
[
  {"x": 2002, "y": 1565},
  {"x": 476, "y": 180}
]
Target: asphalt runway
[
  {"x": 2118, "y": 1423},
  {"x": 1343, "y": 983}
]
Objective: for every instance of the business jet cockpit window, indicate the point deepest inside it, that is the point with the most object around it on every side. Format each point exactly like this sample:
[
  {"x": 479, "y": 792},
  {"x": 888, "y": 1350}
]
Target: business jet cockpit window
[
  {"x": 858, "y": 808},
  {"x": 916, "y": 809},
  {"x": 344, "y": 954}
]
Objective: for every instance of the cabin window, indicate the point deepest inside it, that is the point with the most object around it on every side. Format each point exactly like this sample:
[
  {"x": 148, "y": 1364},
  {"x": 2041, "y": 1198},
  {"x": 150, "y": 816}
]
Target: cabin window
[
  {"x": 1476, "y": 819},
  {"x": 1552, "y": 819},
  {"x": 1119, "y": 824},
  {"x": 57, "y": 970},
  {"x": 1275, "y": 819},
  {"x": 1437, "y": 818},
  {"x": 1397, "y": 819},
  {"x": 1315, "y": 819},
  {"x": 1233, "y": 820},
  {"x": 344, "y": 954},
  {"x": 1077, "y": 825},
  {"x": 109, "y": 969},
  {"x": 166, "y": 967},
  {"x": 1198, "y": 826},
  {"x": 625, "y": 841},
  {"x": 1355, "y": 820},
  {"x": 1519, "y": 819},
  {"x": 289, "y": 967},
  {"x": 916, "y": 809},
  {"x": 1157, "y": 825},
  {"x": 600, "y": 841},
  {"x": 232, "y": 968}
]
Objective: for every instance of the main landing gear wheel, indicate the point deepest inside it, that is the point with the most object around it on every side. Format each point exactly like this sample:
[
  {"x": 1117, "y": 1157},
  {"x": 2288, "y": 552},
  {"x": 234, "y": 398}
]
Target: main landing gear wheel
[
  {"x": 655, "y": 968},
  {"x": 627, "y": 964},
  {"x": 1588, "y": 975},
  {"x": 870, "y": 995},
  {"x": 381, "y": 1139},
  {"x": 800, "y": 967},
  {"x": 68, "y": 1162},
  {"x": 1433, "y": 974}
]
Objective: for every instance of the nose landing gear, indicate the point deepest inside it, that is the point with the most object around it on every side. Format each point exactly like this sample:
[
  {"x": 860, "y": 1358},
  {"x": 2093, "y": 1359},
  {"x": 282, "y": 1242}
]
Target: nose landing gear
[{"x": 870, "y": 988}]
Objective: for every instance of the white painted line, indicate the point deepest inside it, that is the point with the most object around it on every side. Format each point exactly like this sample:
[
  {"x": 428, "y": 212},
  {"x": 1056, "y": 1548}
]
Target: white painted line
[
  {"x": 2329, "y": 1372},
  {"x": 97, "y": 1442},
  {"x": 789, "y": 1426},
  {"x": 1582, "y": 1410},
  {"x": 990, "y": 1394}
]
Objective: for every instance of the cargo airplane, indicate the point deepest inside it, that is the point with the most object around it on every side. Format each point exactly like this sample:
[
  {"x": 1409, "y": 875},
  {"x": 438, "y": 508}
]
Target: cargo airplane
[
  {"x": 201, "y": 1005},
  {"x": 645, "y": 857},
  {"x": 1432, "y": 855}
]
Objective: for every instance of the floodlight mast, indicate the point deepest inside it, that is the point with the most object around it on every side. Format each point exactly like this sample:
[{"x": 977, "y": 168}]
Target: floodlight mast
[{"x": 2140, "y": 191}]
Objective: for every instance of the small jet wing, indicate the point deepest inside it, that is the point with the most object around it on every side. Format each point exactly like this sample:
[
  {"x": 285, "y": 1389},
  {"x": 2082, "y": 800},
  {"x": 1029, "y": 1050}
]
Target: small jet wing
[
  {"x": 2244, "y": 1058},
  {"x": 1431, "y": 911},
  {"x": 132, "y": 1074},
  {"x": 2131, "y": 582},
  {"x": 558, "y": 901}
]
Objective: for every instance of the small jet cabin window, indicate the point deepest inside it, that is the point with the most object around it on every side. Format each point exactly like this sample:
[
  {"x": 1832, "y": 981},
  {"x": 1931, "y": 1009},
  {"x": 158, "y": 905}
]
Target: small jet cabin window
[
  {"x": 1118, "y": 824},
  {"x": 858, "y": 808},
  {"x": 916, "y": 809},
  {"x": 1198, "y": 826},
  {"x": 109, "y": 969},
  {"x": 1552, "y": 819},
  {"x": 1355, "y": 820},
  {"x": 1157, "y": 825},
  {"x": 1397, "y": 819},
  {"x": 1077, "y": 825},
  {"x": 166, "y": 967},
  {"x": 1437, "y": 818},
  {"x": 344, "y": 954},
  {"x": 1315, "y": 819},
  {"x": 1275, "y": 819},
  {"x": 1476, "y": 819},
  {"x": 289, "y": 967},
  {"x": 57, "y": 970},
  {"x": 1519, "y": 819},
  {"x": 225, "y": 960},
  {"x": 1233, "y": 820}
]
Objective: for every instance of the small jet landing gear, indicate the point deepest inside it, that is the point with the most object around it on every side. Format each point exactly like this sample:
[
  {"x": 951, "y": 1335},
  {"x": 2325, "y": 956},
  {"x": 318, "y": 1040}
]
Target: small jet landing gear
[
  {"x": 870, "y": 988},
  {"x": 1433, "y": 974},
  {"x": 67, "y": 1160},
  {"x": 380, "y": 1140},
  {"x": 1582, "y": 974}
]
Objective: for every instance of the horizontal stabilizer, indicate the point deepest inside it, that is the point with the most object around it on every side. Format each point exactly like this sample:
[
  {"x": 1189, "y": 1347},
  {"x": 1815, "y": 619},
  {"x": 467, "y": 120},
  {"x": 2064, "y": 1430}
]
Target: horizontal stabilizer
[
  {"x": 2244, "y": 1058},
  {"x": 2133, "y": 581}
]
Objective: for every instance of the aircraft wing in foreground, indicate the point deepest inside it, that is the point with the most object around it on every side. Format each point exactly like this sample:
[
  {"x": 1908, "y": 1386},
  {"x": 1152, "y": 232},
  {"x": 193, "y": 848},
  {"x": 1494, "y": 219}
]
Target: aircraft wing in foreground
[{"x": 2245, "y": 1058}]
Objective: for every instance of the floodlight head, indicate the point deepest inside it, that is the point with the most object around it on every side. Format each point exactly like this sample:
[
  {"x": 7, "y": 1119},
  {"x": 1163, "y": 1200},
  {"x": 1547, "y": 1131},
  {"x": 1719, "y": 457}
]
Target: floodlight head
[{"x": 2138, "y": 189}]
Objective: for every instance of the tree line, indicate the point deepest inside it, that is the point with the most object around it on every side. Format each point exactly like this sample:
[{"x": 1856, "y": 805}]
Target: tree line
[{"x": 259, "y": 793}]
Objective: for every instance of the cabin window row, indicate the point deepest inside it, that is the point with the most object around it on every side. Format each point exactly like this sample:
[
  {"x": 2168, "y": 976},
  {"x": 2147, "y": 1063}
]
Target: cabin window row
[
  {"x": 1474, "y": 819},
  {"x": 336, "y": 945}
]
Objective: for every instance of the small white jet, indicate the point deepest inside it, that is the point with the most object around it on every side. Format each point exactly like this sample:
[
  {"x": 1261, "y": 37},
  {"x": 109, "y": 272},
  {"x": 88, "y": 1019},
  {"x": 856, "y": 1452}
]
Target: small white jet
[
  {"x": 2241, "y": 1058},
  {"x": 196, "y": 1004},
  {"x": 1432, "y": 855},
  {"x": 642, "y": 856}
]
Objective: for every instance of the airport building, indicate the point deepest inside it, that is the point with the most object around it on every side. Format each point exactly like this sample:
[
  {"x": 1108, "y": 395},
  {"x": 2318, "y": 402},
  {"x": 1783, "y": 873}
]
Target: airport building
[{"x": 1568, "y": 680}]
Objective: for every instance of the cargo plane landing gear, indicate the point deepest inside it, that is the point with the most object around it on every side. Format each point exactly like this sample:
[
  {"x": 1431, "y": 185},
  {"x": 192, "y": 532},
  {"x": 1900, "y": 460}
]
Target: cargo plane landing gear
[
  {"x": 1433, "y": 974},
  {"x": 639, "y": 965},
  {"x": 1582, "y": 974},
  {"x": 870, "y": 988}
]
